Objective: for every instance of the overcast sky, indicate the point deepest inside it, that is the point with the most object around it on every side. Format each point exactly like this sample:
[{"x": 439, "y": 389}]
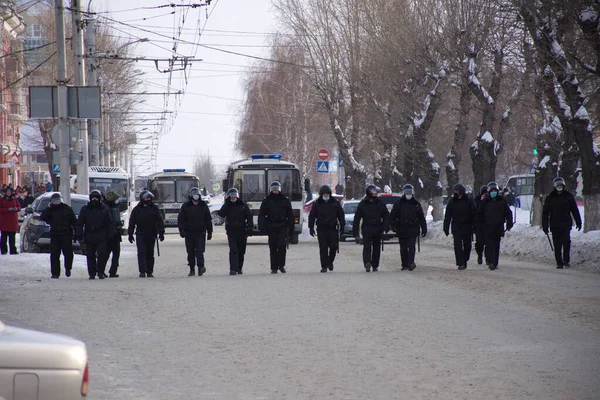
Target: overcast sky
[{"x": 207, "y": 119}]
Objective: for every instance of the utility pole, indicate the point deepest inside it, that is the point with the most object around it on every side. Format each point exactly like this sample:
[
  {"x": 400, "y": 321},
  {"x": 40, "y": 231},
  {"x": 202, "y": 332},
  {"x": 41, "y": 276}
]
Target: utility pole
[
  {"x": 83, "y": 180},
  {"x": 101, "y": 122},
  {"x": 61, "y": 81},
  {"x": 92, "y": 75}
]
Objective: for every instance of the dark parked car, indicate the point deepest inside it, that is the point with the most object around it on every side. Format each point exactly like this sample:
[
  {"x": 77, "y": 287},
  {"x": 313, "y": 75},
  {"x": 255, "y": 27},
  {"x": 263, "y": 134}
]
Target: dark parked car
[
  {"x": 35, "y": 233},
  {"x": 349, "y": 211}
]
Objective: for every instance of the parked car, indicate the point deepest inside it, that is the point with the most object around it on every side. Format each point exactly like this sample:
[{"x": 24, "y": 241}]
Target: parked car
[
  {"x": 41, "y": 366},
  {"x": 388, "y": 199},
  {"x": 35, "y": 233},
  {"x": 214, "y": 206},
  {"x": 349, "y": 208}
]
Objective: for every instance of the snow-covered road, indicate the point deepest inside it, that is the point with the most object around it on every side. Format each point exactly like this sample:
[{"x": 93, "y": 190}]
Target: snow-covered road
[{"x": 526, "y": 331}]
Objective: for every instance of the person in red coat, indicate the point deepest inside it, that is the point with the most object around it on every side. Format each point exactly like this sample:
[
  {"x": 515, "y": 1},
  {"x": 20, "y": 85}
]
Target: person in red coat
[{"x": 9, "y": 220}]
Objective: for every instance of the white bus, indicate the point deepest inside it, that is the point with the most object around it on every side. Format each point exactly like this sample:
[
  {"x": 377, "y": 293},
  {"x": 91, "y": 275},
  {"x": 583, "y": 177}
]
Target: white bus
[
  {"x": 171, "y": 189},
  {"x": 252, "y": 178},
  {"x": 522, "y": 188}
]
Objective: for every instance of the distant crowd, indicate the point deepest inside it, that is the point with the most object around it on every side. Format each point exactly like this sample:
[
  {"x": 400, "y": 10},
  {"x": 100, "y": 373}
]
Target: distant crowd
[{"x": 27, "y": 193}]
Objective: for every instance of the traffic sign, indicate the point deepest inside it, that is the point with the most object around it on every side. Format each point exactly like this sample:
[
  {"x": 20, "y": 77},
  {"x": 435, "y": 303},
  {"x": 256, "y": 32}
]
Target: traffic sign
[
  {"x": 323, "y": 154},
  {"x": 55, "y": 169},
  {"x": 340, "y": 161},
  {"x": 323, "y": 166}
]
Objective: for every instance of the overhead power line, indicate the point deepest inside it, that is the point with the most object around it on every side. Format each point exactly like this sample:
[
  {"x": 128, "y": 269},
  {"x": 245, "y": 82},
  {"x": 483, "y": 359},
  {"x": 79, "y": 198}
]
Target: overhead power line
[{"x": 28, "y": 73}]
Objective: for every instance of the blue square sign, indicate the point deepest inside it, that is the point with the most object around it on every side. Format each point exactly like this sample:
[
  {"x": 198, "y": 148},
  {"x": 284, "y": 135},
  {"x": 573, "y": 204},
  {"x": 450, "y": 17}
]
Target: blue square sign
[{"x": 323, "y": 166}]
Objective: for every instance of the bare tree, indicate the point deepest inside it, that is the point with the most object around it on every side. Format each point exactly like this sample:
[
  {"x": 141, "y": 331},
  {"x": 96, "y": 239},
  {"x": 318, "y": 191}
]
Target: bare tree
[{"x": 204, "y": 169}]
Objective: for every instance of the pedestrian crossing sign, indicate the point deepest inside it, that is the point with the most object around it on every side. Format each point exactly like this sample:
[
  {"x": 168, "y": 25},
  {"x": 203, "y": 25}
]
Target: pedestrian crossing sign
[{"x": 323, "y": 166}]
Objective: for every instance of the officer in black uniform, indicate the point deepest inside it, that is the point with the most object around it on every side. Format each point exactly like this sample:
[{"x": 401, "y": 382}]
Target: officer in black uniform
[
  {"x": 479, "y": 237},
  {"x": 329, "y": 215},
  {"x": 558, "y": 208},
  {"x": 408, "y": 220},
  {"x": 493, "y": 214},
  {"x": 276, "y": 218},
  {"x": 114, "y": 243},
  {"x": 460, "y": 212},
  {"x": 62, "y": 221},
  {"x": 238, "y": 225},
  {"x": 374, "y": 215},
  {"x": 195, "y": 225},
  {"x": 149, "y": 222},
  {"x": 94, "y": 225}
]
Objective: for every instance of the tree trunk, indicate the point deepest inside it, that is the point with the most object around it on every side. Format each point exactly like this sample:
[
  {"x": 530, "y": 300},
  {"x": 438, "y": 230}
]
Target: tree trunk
[
  {"x": 454, "y": 157},
  {"x": 547, "y": 169}
]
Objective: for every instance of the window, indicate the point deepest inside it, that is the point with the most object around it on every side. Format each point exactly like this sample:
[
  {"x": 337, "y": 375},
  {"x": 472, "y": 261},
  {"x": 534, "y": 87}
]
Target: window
[
  {"x": 350, "y": 208},
  {"x": 183, "y": 188},
  {"x": 290, "y": 182},
  {"x": 42, "y": 204},
  {"x": 35, "y": 31},
  {"x": 163, "y": 190},
  {"x": 250, "y": 184}
]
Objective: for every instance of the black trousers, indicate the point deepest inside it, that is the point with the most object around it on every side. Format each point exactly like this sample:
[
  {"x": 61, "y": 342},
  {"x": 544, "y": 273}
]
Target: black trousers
[
  {"x": 114, "y": 248},
  {"x": 462, "y": 248},
  {"x": 97, "y": 257},
  {"x": 145, "y": 252},
  {"x": 237, "y": 248},
  {"x": 195, "y": 244},
  {"x": 479, "y": 241},
  {"x": 492, "y": 250},
  {"x": 328, "y": 245},
  {"x": 561, "y": 238},
  {"x": 371, "y": 249},
  {"x": 407, "y": 250},
  {"x": 10, "y": 238},
  {"x": 277, "y": 247},
  {"x": 60, "y": 244}
]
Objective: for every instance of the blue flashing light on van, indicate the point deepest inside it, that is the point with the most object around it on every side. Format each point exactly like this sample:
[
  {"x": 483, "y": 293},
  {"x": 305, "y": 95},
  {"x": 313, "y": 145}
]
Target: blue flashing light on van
[
  {"x": 174, "y": 170},
  {"x": 264, "y": 156}
]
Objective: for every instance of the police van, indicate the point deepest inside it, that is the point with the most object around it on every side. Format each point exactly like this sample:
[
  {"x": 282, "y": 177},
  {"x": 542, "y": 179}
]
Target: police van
[{"x": 171, "y": 189}]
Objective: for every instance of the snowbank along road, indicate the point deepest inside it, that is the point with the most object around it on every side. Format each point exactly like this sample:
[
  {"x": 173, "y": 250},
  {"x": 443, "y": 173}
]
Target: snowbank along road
[{"x": 525, "y": 331}]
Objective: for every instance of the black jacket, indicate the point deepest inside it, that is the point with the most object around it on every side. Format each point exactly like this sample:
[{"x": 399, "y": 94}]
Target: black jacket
[
  {"x": 147, "y": 219},
  {"x": 557, "y": 211},
  {"x": 275, "y": 213},
  {"x": 28, "y": 200},
  {"x": 94, "y": 223},
  {"x": 374, "y": 215},
  {"x": 237, "y": 215},
  {"x": 115, "y": 217},
  {"x": 61, "y": 219},
  {"x": 461, "y": 214},
  {"x": 194, "y": 218},
  {"x": 492, "y": 215},
  {"x": 407, "y": 218},
  {"x": 329, "y": 214}
]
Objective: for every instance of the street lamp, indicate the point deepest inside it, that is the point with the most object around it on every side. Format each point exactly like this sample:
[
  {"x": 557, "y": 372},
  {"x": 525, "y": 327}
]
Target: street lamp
[{"x": 132, "y": 158}]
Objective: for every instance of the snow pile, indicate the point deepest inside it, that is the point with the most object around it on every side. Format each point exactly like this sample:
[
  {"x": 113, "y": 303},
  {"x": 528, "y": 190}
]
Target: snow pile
[
  {"x": 527, "y": 243},
  {"x": 487, "y": 137}
]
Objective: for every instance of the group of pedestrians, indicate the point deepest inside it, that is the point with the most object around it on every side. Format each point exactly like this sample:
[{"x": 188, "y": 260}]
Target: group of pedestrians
[{"x": 486, "y": 218}]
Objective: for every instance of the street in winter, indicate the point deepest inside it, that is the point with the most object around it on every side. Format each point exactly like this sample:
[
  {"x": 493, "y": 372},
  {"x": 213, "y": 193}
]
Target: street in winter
[{"x": 524, "y": 331}]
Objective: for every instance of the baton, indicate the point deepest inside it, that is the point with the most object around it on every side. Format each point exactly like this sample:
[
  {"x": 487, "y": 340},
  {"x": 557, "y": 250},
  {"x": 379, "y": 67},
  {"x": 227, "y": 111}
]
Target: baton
[
  {"x": 419, "y": 243},
  {"x": 157, "y": 247},
  {"x": 550, "y": 242},
  {"x": 382, "y": 243}
]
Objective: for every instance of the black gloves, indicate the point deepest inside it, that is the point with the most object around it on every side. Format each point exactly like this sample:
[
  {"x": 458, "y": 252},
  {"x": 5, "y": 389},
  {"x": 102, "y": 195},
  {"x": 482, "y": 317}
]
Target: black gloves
[
  {"x": 209, "y": 236},
  {"x": 249, "y": 232},
  {"x": 312, "y": 232},
  {"x": 131, "y": 239},
  {"x": 446, "y": 232},
  {"x": 579, "y": 227},
  {"x": 74, "y": 239},
  {"x": 423, "y": 233},
  {"x": 161, "y": 237},
  {"x": 181, "y": 234}
]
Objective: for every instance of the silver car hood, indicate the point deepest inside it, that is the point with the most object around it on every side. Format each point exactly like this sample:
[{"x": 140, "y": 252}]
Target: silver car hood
[{"x": 24, "y": 348}]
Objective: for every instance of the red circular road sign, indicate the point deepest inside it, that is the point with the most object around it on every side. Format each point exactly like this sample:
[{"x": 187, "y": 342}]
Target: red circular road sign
[{"x": 323, "y": 154}]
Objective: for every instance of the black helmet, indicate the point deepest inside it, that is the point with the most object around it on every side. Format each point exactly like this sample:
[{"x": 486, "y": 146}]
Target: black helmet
[
  {"x": 460, "y": 188},
  {"x": 275, "y": 185},
  {"x": 408, "y": 189},
  {"x": 483, "y": 189},
  {"x": 233, "y": 192},
  {"x": 194, "y": 192},
  {"x": 324, "y": 189},
  {"x": 558, "y": 181},
  {"x": 493, "y": 186},
  {"x": 56, "y": 198},
  {"x": 146, "y": 194},
  {"x": 95, "y": 194},
  {"x": 372, "y": 189}
]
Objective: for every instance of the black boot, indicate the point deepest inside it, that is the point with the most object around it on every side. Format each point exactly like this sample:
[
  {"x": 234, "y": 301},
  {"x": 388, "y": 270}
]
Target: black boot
[
  {"x": 239, "y": 272},
  {"x": 282, "y": 270},
  {"x": 232, "y": 272},
  {"x": 480, "y": 259},
  {"x": 201, "y": 271},
  {"x": 368, "y": 267},
  {"x": 412, "y": 266},
  {"x": 330, "y": 267},
  {"x": 323, "y": 269},
  {"x": 192, "y": 272}
]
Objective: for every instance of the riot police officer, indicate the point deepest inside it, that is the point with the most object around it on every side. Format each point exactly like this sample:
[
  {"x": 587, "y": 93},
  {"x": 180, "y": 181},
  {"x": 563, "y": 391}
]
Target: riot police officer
[
  {"x": 479, "y": 237},
  {"x": 556, "y": 215},
  {"x": 114, "y": 243},
  {"x": 374, "y": 215},
  {"x": 276, "y": 218},
  {"x": 195, "y": 225},
  {"x": 146, "y": 217},
  {"x": 62, "y": 221},
  {"x": 330, "y": 221},
  {"x": 238, "y": 225},
  {"x": 94, "y": 226},
  {"x": 493, "y": 214},
  {"x": 408, "y": 220},
  {"x": 460, "y": 215}
]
